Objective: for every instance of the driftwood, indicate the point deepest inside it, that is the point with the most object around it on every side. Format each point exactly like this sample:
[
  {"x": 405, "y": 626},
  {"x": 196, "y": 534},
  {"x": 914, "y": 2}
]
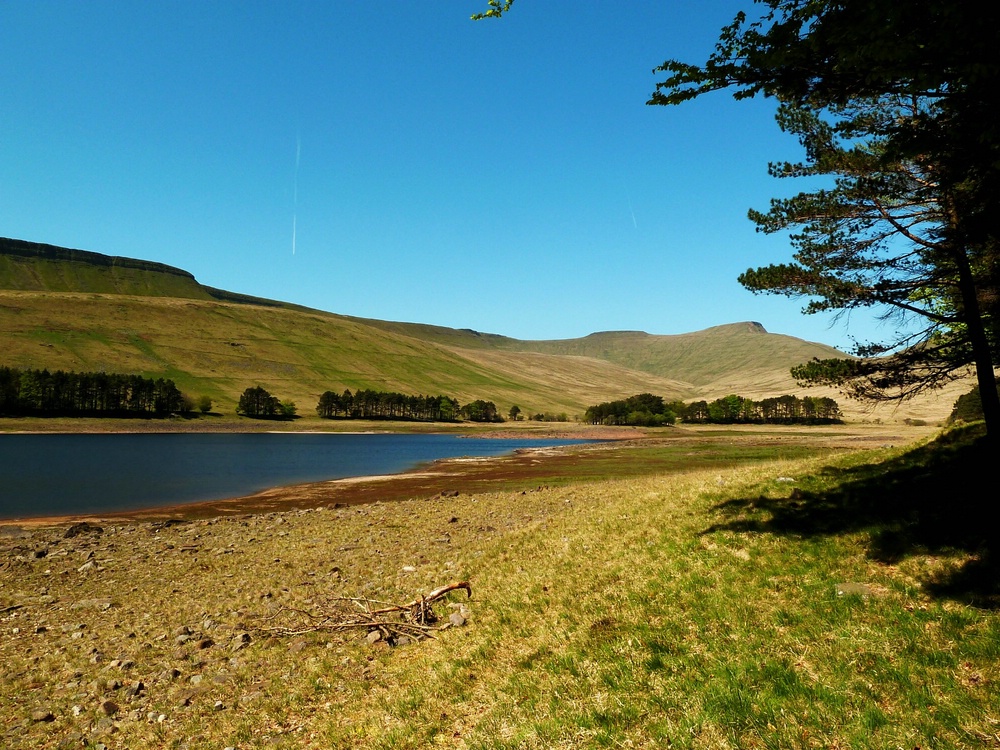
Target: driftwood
[{"x": 415, "y": 620}]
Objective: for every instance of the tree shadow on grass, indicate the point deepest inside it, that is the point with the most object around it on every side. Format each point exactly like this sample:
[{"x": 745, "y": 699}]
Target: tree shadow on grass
[{"x": 935, "y": 499}]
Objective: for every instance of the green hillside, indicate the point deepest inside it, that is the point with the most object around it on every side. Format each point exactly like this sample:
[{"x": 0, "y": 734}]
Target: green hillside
[
  {"x": 712, "y": 361},
  {"x": 32, "y": 266},
  {"x": 219, "y": 348},
  {"x": 73, "y": 309}
]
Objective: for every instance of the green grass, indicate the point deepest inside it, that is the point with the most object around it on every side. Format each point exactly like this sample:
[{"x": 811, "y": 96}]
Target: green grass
[
  {"x": 219, "y": 349},
  {"x": 668, "y": 610}
]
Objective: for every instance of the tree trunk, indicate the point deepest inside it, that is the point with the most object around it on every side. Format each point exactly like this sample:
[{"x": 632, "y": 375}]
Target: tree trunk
[{"x": 981, "y": 353}]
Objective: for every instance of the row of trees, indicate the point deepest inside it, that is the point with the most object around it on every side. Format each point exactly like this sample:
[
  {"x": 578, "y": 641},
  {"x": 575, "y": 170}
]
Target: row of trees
[
  {"x": 370, "y": 404},
  {"x": 648, "y": 410},
  {"x": 40, "y": 392},
  {"x": 644, "y": 409},
  {"x": 256, "y": 402}
]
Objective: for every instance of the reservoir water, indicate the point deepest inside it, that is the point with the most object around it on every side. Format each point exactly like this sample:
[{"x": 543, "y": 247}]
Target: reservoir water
[{"x": 75, "y": 474}]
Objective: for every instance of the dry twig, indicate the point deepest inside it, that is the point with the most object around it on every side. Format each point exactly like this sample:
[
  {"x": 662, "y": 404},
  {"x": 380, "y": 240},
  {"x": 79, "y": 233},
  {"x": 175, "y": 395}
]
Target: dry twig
[{"x": 416, "y": 620}]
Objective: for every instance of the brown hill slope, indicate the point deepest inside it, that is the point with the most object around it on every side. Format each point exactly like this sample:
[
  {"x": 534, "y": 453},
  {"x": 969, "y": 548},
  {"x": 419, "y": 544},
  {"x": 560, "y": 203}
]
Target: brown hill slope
[{"x": 73, "y": 309}]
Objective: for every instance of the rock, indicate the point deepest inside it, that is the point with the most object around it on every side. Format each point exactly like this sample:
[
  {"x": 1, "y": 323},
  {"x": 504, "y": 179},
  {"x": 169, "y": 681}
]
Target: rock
[
  {"x": 136, "y": 689},
  {"x": 104, "y": 725},
  {"x": 110, "y": 708},
  {"x": 219, "y": 706},
  {"x": 41, "y": 715},
  {"x": 374, "y": 636},
  {"x": 456, "y": 619},
  {"x": 241, "y": 641},
  {"x": 82, "y": 528},
  {"x": 205, "y": 643}
]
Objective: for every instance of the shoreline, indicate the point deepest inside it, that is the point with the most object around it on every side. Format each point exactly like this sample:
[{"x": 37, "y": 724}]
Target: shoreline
[
  {"x": 343, "y": 491},
  {"x": 462, "y": 474}
]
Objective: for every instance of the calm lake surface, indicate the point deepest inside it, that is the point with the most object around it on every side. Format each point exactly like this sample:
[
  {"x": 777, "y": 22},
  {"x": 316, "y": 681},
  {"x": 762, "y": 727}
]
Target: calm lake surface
[{"x": 68, "y": 474}]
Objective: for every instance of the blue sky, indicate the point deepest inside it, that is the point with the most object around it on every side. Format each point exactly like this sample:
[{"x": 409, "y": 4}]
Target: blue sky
[{"x": 398, "y": 161}]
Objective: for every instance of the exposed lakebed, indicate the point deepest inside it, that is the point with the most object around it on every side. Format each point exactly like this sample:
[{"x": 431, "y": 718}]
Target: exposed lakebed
[{"x": 45, "y": 475}]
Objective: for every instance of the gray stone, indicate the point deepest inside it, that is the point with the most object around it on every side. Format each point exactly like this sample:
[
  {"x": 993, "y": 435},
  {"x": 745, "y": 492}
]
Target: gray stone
[
  {"x": 456, "y": 619},
  {"x": 374, "y": 636},
  {"x": 110, "y": 708},
  {"x": 136, "y": 689},
  {"x": 41, "y": 715}
]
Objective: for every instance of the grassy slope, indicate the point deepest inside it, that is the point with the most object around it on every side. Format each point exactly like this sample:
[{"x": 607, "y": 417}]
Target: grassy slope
[
  {"x": 773, "y": 604},
  {"x": 219, "y": 349},
  {"x": 73, "y": 309},
  {"x": 699, "y": 358}
]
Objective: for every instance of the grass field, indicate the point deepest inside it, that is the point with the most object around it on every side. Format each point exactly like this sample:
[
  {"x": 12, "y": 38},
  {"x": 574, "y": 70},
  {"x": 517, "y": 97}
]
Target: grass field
[{"x": 829, "y": 598}]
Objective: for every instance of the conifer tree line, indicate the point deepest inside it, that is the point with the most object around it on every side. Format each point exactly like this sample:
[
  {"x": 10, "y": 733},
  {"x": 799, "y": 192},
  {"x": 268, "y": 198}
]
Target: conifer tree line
[
  {"x": 370, "y": 404},
  {"x": 648, "y": 410},
  {"x": 258, "y": 403},
  {"x": 40, "y": 392}
]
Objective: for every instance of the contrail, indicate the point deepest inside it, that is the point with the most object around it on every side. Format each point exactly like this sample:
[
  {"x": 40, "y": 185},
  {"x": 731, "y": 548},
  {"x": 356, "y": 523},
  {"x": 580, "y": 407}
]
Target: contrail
[
  {"x": 295, "y": 189},
  {"x": 629, "y": 197}
]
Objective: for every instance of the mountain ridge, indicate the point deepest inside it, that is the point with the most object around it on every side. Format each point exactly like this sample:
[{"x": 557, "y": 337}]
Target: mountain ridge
[{"x": 75, "y": 309}]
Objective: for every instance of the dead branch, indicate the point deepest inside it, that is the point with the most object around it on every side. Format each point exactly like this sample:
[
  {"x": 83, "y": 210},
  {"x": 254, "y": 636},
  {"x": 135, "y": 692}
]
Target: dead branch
[{"x": 416, "y": 620}]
